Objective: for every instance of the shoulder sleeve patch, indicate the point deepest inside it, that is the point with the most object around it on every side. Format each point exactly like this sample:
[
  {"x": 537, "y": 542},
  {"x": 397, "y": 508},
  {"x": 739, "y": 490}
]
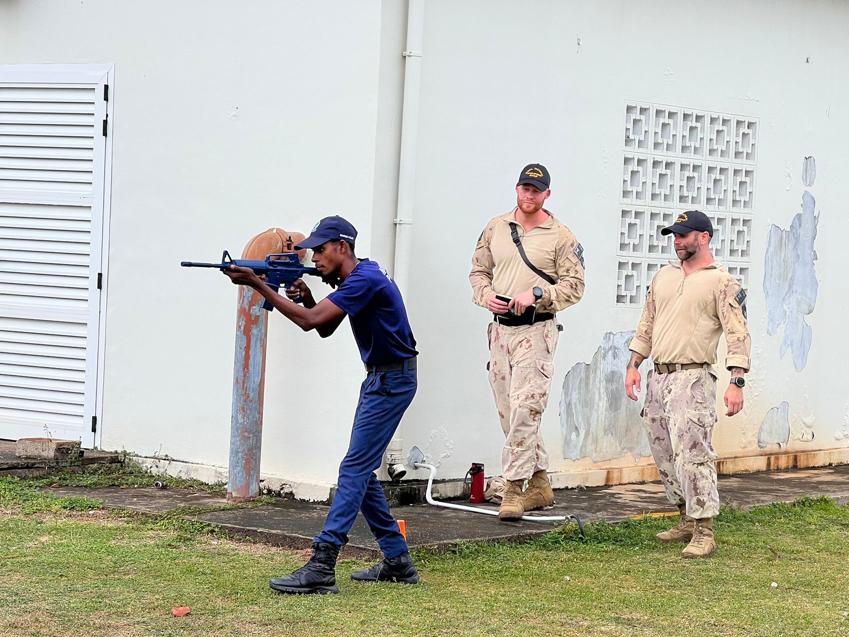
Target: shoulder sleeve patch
[
  {"x": 741, "y": 300},
  {"x": 579, "y": 253}
]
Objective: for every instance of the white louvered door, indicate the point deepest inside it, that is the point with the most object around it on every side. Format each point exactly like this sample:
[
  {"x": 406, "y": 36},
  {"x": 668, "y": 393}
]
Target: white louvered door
[{"x": 52, "y": 177}]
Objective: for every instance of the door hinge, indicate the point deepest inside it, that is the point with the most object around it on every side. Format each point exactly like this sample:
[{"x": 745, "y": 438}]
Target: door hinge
[
  {"x": 105, "y": 92},
  {"x": 104, "y": 126},
  {"x": 93, "y": 424},
  {"x": 100, "y": 280}
]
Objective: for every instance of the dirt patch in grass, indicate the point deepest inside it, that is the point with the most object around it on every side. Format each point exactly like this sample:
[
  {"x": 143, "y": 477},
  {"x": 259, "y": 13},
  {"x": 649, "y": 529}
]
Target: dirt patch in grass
[{"x": 246, "y": 547}]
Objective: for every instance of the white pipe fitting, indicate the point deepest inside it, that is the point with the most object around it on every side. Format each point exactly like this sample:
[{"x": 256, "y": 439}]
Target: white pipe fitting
[{"x": 471, "y": 509}]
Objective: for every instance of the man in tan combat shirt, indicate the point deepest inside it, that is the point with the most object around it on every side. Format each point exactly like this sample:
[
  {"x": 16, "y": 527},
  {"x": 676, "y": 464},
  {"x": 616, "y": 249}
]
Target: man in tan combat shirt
[
  {"x": 688, "y": 305},
  {"x": 523, "y": 334}
]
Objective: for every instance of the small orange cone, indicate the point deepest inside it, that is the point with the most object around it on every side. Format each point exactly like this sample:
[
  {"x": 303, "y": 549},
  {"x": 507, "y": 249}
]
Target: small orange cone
[
  {"x": 181, "y": 611},
  {"x": 402, "y": 526}
]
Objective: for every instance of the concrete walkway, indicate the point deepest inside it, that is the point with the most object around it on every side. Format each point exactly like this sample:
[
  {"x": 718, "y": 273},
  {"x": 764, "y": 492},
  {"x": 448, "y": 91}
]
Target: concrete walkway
[{"x": 293, "y": 524}]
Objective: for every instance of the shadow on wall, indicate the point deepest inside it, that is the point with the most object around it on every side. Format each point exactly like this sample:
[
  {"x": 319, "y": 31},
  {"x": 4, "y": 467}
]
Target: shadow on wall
[
  {"x": 790, "y": 282},
  {"x": 597, "y": 419}
]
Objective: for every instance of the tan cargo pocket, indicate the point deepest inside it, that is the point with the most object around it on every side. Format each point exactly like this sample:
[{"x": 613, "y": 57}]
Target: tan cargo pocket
[
  {"x": 530, "y": 386},
  {"x": 703, "y": 388},
  {"x": 695, "y": 438},
  {"x": 546, "y": 368}
]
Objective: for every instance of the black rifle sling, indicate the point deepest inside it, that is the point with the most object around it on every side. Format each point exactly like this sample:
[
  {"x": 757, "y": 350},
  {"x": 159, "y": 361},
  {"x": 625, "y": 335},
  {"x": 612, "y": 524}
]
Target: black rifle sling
[{"x": 514, "y": 232}]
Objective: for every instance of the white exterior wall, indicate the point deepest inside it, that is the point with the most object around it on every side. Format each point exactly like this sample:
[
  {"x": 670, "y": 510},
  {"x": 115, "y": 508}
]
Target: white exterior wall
[
  {"x": 227, "y": 120},
  {"x": 231, "y": 119}
]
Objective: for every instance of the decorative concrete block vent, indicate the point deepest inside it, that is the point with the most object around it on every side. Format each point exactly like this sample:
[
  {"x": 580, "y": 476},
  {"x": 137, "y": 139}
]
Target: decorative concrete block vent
[
  {"x": 674, "y": 159},
  {"x": 48, "y": 449}
]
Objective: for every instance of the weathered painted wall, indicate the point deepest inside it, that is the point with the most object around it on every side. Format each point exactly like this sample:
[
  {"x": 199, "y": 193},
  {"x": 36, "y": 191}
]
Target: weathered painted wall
[
  {"x": 790, "y": 278},
  {"x": 596, "y": 422},
  {"x": 230, "y": 119},
  {"x": 557, "y": 90}
]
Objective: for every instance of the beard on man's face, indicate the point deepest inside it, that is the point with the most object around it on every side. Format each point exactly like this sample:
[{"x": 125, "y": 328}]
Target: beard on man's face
[{"x": 686, "y": 253}]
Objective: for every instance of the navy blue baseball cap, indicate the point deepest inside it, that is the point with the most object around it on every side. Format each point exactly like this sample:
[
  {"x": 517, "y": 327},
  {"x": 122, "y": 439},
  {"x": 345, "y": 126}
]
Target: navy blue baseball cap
[
  {"x": 333, "y": 228},
  {"x": 535, "y": 175},
  {"x": 688, "y": 221}
]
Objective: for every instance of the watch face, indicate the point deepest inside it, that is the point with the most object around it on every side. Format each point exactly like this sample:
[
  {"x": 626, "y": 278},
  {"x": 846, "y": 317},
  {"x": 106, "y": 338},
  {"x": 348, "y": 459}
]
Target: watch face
[{"x": 739, "y": 381}]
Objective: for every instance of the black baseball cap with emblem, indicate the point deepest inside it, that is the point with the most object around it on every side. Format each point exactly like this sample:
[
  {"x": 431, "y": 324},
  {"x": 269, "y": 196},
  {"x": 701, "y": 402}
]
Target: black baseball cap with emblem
[
  {"x": 535, "y": 175},
  {"x": 688, "y": 221},
  {"x": 333, "y": 228}
]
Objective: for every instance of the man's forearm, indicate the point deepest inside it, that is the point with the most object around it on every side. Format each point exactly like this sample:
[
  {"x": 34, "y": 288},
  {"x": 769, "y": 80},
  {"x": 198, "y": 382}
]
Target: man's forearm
[
  {"x": 636, "y": 359},
  {"x": 565, "y": 293},
  {"x": 481, "y": 289},
  {"x": 300, "y": 316},
  {"x": 307, "y": 301},
  {"x": 737, "y": 371}
]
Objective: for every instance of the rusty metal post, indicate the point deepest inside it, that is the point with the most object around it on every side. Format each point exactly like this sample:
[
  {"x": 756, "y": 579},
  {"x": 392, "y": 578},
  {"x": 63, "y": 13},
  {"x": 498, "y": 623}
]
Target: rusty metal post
[{"x": 249, "y": 372}]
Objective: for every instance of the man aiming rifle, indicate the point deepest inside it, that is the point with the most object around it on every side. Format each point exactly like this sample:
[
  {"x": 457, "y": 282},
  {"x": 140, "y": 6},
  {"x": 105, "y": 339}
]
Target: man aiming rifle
[{"x": 371, "y": 300}]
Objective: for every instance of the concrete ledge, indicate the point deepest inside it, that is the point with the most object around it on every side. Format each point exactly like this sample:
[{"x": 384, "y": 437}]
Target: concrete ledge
[
  {"x": 784, "y": 460},
  {"x": 403, "y": 493},
  {"x": 413, "y": 491},
  {"x": 729, "y": 465},
  {"x": 48, "y": 449},
  {"x": 213, "y": 474},
  {"x": 13, "y": 465}
]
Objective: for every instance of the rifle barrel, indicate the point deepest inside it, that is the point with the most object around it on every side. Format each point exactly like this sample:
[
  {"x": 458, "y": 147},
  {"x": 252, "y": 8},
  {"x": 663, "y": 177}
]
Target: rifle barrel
[{"x": 193, "y": 264}]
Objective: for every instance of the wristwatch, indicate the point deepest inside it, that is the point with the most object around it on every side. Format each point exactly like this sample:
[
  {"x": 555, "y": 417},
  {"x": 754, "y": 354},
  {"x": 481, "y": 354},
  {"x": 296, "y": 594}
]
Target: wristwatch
[
  {"x": 537, "y": 293},
  {"x": 739, "y": 381}
]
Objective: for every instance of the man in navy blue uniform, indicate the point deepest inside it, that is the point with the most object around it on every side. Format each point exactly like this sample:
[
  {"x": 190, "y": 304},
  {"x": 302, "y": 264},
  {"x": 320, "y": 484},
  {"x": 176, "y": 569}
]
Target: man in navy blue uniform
[{"x": 371, "y": 299}]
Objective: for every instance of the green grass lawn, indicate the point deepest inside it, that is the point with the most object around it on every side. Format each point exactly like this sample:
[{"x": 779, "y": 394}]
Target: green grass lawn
[{"x": 69, "y": 568}]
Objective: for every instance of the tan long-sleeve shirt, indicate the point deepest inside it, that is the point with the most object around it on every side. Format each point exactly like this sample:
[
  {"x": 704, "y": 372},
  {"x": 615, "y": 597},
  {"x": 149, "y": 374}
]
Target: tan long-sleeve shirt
[
  {"x": 685, "y": 315},
  {"x": 498, "y": 268}
]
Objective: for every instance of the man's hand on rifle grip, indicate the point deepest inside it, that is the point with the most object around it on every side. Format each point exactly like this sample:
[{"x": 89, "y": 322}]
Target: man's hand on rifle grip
[{"x": 243, "y": 276}]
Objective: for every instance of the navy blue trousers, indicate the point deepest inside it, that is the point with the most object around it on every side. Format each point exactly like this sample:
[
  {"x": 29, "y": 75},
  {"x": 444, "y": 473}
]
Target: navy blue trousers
[{"x": 384, "y": 397}]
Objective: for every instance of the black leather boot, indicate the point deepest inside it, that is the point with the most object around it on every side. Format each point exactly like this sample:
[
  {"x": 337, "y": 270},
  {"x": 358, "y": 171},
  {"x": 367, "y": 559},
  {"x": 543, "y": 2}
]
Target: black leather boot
[
  {"x": 316, "y": 576},
  {"x": 396, "y": 569}
]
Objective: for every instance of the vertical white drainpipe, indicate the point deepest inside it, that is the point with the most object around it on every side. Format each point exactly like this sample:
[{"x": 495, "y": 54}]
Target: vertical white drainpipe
[{"x": 407, "y": 169}]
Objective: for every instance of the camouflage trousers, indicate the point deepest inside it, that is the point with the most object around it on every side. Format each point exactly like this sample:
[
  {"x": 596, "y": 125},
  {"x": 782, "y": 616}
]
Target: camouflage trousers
[
  {"x": 679, "y": 414},
  {"x": 521, "y": 363}
]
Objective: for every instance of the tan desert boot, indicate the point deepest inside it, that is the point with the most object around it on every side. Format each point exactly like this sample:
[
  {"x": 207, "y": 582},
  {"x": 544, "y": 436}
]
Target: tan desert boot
[
  {"x": 511, "y": 503},
  {"x": 681, "y": 532},
  {"x": 538, "y": 495},
  {"x": 702, "y": 544}
]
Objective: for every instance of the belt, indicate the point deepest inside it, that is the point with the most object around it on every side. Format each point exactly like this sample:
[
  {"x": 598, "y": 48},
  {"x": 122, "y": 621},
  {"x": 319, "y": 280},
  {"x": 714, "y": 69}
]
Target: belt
[
  {"x": 525, "y": 319},
  {"x": 668, "y": 368},
  {"x": 398, "y": 366}
]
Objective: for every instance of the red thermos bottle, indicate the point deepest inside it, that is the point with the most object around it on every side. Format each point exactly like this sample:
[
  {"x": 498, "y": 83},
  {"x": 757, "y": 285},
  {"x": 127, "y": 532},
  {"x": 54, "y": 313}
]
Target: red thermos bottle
[{"x": 476, "y": 490}]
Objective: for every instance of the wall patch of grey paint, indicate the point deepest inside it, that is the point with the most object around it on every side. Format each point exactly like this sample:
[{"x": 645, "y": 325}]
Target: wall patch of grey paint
[
  {"x": 775, "y": 428},
  {"x": 809, "y": 171},
  {"x": 597, "y": 418},
  {"x": 790, "y": 282}
]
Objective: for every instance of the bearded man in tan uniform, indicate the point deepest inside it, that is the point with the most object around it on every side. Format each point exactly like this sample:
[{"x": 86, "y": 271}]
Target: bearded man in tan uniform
[
  {"x": 688, "y": 305},
  {"x": 526, "y": 267}
]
